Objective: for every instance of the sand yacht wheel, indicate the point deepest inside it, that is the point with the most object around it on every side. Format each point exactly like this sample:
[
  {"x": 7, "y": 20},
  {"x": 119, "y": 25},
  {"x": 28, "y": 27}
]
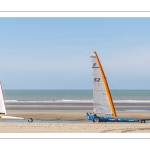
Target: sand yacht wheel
[
  {"x": 142, "y": 121},
  {"x": 96, "y": 119},
  {"x": 30, "y": 120}
]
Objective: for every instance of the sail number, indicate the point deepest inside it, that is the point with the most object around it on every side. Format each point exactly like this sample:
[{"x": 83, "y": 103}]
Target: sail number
[{"x": 96, "y": 79}]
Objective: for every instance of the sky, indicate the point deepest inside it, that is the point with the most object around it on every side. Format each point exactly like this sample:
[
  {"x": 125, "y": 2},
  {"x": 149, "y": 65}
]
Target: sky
[{"x": 54, "y": 53}]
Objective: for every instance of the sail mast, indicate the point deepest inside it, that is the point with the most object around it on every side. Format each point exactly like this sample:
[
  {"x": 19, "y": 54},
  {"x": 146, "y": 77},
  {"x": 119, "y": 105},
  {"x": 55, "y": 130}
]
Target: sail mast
[{"x": 106, "y": 86}]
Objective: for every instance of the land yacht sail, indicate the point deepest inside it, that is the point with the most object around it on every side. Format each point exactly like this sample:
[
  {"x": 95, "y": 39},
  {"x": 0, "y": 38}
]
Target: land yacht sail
[
  {"x": 101, "y": 94},
  {"x": 3, "y": 108}
]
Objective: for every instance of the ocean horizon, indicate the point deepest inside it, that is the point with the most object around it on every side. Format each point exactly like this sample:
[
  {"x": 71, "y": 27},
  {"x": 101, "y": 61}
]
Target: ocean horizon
[{"x": 53, "y": 95}]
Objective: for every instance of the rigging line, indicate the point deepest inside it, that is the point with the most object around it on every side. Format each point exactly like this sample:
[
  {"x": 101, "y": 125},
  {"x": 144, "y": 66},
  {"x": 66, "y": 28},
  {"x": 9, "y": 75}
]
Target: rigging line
[
  {"x": 122, "y": 99},
  {"x": 7, "y": 91}
]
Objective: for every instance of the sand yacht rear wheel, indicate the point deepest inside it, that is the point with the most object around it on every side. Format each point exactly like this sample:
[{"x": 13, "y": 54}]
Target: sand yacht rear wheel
[
  {"x": 30, "y": 120},
  {"x": 142, "y": 121},
  {"x": 96, "y": 119}
]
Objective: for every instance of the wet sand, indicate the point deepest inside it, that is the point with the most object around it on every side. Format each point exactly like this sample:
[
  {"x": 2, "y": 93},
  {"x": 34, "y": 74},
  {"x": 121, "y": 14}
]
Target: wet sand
[
  {"x": 71, "y": 115},
  {"x": 81, "y": 124}
]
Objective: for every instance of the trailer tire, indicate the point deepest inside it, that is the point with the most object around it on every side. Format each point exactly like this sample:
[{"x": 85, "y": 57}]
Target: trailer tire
[{"x": 96, "y": 119}]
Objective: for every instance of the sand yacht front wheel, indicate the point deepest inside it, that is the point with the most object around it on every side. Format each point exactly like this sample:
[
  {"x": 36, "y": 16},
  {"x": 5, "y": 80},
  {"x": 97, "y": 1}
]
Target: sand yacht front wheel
[
  {"x": 30, "y": 120},
  {"x": 96, "y": 119}
]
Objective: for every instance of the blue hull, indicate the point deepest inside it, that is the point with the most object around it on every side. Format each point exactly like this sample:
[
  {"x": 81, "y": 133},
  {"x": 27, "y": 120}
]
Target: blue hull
[{"x": 109, "y": 119}]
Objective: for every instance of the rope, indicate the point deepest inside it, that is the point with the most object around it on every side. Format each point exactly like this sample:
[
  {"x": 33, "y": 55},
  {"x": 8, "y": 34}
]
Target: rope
[
  {"x": 7, "y": 91},
  {"x": 122, "y": 99}
]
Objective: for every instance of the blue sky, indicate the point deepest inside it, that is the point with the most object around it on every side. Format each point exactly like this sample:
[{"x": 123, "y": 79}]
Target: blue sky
[{"x": 53, "y": 53}]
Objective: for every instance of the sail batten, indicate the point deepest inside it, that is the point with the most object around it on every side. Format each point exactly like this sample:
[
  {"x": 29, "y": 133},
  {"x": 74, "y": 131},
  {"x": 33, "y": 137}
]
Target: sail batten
[{"x": 101, "y": 93}]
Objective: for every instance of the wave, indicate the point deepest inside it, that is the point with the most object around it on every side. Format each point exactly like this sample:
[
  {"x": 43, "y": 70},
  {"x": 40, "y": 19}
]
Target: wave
[
  {"x": 11, "y": 100},
  {"x": 46, "y": 101},
  {"x": 75, "y": 101},
  {"x": 131, "y": 101}
]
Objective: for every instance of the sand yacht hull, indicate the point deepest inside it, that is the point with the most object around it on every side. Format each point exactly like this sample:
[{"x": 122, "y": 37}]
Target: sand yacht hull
[
  {"x": 109, "y": 119},
  {"x": 14, "y": 118},
  {"x": 10, "y": 117}
]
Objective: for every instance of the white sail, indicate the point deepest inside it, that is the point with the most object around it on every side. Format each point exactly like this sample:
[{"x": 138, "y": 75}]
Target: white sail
[
  {"x": 2, "y": 102},
  {"x": 101, "y": 103}
]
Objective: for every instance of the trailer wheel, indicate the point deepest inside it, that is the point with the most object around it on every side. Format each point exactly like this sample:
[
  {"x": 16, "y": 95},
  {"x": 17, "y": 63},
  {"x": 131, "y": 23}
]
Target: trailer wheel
[
  {"x": 96, "y": 119},
  {"x": 30, "y": 120}
]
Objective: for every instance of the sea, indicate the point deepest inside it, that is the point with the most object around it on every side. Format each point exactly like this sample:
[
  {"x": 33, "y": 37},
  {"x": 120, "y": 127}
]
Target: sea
[{"x": 74, "y": 95}]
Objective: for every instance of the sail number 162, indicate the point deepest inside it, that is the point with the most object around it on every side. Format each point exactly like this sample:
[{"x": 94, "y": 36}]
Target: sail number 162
[{"x": 96, "y": 79}]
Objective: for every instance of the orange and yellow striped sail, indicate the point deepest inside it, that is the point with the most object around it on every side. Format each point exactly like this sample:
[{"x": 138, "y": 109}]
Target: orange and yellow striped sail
[{"x": 101, "y": 94}]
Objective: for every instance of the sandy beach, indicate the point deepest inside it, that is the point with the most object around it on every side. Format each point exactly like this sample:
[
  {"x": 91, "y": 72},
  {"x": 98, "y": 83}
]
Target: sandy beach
[
  {"x": 71, "y": 122},
  {"x": 74, "y": 128}
]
